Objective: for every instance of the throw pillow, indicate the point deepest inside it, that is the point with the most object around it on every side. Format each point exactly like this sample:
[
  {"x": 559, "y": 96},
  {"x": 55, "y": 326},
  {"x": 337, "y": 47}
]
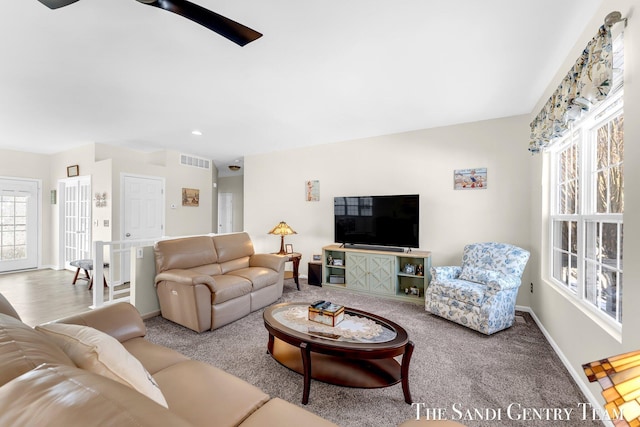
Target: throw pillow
[
  {"x": 102, "y": 354},
  {"x": 478, "y": 275}
]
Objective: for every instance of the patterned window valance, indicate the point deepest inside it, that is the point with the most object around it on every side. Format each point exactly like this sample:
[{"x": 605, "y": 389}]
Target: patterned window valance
[{"x": 588, "y": 83}]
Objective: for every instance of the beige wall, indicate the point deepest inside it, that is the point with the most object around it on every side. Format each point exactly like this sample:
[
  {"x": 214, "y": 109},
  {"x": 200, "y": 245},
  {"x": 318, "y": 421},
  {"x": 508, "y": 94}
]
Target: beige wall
[
  {"x": 143, "y": 289},
  {"x": 102, "y": 182},
  {"x": 419, "y": 162},
  {"x": 578, "y": 337}
]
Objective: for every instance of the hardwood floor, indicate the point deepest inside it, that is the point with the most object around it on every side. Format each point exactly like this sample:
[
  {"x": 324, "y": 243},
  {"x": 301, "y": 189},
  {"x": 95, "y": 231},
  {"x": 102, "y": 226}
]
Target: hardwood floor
[{"x": 44, "y": 295}]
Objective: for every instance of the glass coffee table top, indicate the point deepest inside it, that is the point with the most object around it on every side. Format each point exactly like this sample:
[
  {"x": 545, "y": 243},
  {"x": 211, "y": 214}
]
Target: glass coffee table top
[{"x": 355, "y": 328}]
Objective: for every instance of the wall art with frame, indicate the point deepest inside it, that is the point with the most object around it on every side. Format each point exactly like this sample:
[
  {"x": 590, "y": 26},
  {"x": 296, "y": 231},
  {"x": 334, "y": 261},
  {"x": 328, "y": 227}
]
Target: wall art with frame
[
  {"x": 470, "y": 179},
  {"x": 312, "y": 190},
  {"x": 190, "y": 197},
  {"x": 73, "y": 171}
]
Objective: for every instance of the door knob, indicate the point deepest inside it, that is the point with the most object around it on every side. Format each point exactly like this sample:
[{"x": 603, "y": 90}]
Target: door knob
[{"x": 127, "y": 235}]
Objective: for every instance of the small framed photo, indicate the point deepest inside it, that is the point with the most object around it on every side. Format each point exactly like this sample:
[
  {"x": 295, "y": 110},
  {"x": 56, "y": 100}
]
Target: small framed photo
[
  {"x": 190, "y": 197},
  {"x": 288, "y": 248},
  {"x": 312, "y": 190},
  {"x": 410, "y": 269},
  {"x": 317, "y": 257},
  {"x": 337, "y": 261},
  {"x": 470, "y": 179},
  {"x": 73, "y": 171}
]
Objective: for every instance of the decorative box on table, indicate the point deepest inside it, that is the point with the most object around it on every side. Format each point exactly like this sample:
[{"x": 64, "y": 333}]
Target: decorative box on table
[{"x": 326, "y": 313}]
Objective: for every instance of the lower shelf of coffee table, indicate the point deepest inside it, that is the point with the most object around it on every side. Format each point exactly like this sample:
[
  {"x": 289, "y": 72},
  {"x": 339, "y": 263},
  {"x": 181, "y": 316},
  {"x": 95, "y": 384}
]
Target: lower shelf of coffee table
[{"x": 346, "y": 372}]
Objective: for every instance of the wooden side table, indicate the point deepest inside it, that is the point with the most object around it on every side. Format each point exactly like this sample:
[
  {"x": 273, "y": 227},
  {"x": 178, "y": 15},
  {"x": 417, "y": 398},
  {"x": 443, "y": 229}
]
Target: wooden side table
[{"x": 295, "y": 258}]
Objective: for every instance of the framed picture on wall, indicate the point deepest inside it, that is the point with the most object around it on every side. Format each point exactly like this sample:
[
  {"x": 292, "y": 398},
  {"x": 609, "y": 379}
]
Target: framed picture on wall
[
  {"x": 73, "y": 171},
  {"x": 470, "y": 179},
  {"x": 190, "y": 197},
  {"x": 312, "y": 190}
]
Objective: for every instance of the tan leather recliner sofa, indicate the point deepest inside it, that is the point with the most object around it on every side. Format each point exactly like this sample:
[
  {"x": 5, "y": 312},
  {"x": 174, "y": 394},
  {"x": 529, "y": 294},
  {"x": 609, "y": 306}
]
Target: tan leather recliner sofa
[
  {"x": 205, "y": 282},
  {"x": 41, "y": 386}
]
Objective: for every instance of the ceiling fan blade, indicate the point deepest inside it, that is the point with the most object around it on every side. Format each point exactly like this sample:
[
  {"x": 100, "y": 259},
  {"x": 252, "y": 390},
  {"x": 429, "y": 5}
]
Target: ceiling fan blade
[
  {"x": 226, "y": 27},
  {"x": 55, "y": 4}
]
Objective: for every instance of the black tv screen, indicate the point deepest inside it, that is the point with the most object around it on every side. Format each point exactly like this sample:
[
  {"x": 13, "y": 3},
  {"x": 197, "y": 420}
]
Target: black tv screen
[{"x": 378, "y": 220}]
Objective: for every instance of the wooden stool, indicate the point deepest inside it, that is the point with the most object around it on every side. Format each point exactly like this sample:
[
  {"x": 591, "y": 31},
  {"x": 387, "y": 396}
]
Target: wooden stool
[{"x": 86, "y": 265}]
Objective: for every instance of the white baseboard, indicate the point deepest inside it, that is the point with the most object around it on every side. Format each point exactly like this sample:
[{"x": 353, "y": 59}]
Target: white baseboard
[
  {"x": 150, "y": 315},
  {"x": 578, "y": 378}
]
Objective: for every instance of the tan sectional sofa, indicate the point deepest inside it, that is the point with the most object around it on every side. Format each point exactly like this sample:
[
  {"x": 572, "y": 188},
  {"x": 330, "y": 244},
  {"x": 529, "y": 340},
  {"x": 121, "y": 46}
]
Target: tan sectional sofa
[
  {"x": 41, "y": 384},
  {"x": 205, "y": 282}
]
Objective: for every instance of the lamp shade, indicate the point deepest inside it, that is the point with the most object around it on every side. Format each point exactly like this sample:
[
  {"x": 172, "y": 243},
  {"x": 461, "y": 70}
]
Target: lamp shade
[
  {"x": 282, "y": 229},
  {"x": 619, "y": 377}
]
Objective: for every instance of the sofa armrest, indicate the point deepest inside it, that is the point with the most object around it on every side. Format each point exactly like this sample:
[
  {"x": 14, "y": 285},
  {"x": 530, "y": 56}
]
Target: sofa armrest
[
  {"x": 272, "y": 261},
  {"x": 503, "y": 283},
  {"x": 445, "y": 272},
  {"x": 186, "y": 277},
  {"x": 121, "y": 320}
]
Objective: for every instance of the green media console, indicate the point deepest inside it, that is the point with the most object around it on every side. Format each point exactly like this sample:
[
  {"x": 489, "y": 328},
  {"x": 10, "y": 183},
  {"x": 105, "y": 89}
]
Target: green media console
[{"x": 399, "y": 275}]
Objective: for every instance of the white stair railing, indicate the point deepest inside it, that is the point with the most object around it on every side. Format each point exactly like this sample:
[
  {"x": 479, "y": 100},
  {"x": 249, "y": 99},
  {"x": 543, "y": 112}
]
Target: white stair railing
[{"x": 117, "y": 256}]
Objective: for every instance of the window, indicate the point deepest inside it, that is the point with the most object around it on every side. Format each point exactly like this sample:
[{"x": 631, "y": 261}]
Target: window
[
  {"x": 19, "y": 224},
  {"x": 13, "y": 232},
  {"x": 587, "y": 206}
]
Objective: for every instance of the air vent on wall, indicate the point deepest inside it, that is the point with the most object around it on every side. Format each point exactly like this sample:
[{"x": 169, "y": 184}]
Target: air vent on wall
[{"x": 196, "y": 162}]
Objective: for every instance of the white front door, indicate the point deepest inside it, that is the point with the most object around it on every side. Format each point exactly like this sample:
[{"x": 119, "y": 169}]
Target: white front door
[
  {"x": 75, "y": 203},
  {"x": 18, "y": 224}
]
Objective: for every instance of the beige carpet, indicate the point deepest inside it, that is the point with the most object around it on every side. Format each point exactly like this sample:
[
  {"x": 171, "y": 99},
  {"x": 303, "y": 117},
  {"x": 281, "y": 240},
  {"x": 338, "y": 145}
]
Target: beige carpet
[{"x": 475, "y": 379}]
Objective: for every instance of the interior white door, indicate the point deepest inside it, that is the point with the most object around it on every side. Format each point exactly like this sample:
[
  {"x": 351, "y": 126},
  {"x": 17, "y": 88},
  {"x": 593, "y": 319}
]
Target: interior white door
[
  {"x": 142, "y": 216},
  {"x": 225, "y": 212},
  {"x": 18, "y": 224},
  {"x": 76, "y": 210}
]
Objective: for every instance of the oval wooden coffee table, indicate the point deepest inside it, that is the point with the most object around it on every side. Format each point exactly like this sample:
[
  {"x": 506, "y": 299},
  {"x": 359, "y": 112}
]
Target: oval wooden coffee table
[{"x": 358, "y": 361}]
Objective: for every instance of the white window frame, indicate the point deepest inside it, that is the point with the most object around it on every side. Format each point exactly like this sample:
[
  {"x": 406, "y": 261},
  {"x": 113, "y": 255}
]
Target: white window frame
[{"x": 583, "y": 134}]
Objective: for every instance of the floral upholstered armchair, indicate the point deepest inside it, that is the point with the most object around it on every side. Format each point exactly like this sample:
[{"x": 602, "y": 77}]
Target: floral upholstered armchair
[{"x": 480, "y": 294}]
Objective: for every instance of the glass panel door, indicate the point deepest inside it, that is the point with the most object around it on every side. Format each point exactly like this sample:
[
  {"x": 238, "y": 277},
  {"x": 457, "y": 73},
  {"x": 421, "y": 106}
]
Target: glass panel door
[
  {"x": 18, "y": 224},
  {"x": 76, "y": 205}
]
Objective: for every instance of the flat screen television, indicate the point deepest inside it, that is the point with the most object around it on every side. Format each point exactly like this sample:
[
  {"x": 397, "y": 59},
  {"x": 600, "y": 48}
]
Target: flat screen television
[{"x": 389, "y": 221}]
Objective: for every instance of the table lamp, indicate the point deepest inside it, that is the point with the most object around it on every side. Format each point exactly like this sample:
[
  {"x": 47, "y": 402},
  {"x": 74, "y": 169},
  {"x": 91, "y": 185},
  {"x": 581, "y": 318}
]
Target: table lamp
[
  {"x": 619, "y": 377},
  {"x": 282, "y": 229}
]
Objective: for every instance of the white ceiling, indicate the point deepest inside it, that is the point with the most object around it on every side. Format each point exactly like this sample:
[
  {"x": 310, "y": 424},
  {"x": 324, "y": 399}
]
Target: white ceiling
[{"x": 120, "y": 72}]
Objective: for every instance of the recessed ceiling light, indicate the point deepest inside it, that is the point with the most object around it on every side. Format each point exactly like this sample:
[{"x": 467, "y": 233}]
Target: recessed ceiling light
[{"x": 196, "y": 132}]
